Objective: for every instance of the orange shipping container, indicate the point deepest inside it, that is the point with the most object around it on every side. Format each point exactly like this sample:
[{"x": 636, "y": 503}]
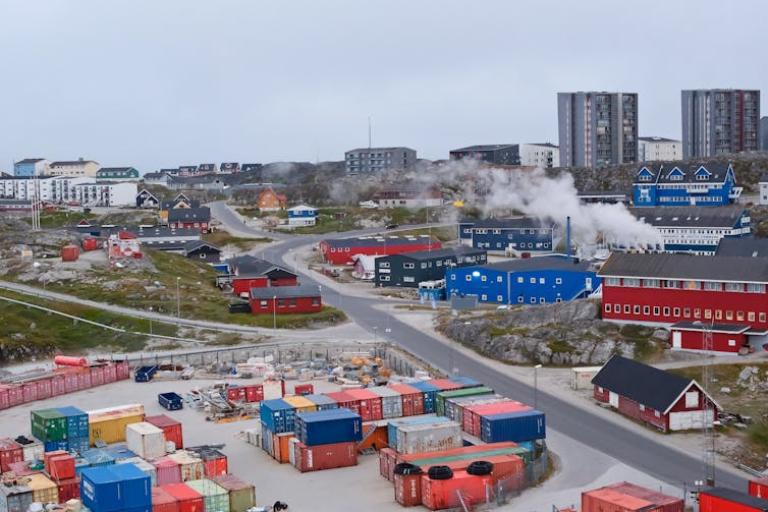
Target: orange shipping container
[
  {"x": 70, "y": 253},
  {"x": 408, "y": 489},
  {"x": 377, "y": 440},
  {"x": 440, "y": 494},
  {"x": 280, "y": 446},
  {"x": 609, "y": 500}
]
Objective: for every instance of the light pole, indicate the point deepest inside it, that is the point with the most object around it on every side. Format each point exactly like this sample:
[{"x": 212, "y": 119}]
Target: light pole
[
  {"x": 536, "y": 386},
  {"x": 178, "y": 298},
  {"x": 274, "y": 312},
  {"x": 150, "y": 320}
]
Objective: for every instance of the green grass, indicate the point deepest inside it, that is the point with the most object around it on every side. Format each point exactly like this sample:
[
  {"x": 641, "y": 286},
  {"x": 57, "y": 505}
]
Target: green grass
[
  {"x": 503, "y": 331},
  {"x": 560, "y": 346},
  {"x": 329, "y": 315},
  {"x": 222, "y": 238},
  {"x": 444, "y": 233},
  {"x": 58, "y": 219}
]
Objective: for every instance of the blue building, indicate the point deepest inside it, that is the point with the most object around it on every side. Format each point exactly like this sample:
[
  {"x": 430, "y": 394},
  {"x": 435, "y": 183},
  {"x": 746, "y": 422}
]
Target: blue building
[
  {"x": 677, "y": 184},
  {"x": 302, "y": 215},
  {"x": 31, "y": 167},
  {"x": 540, "y": 280},
  {"x": 522, "y": 234}
]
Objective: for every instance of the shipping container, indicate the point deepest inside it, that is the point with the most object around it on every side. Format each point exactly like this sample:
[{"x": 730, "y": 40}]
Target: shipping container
[
  {"x": 445, "y": 384},
  {"x": 300, "y": 403},
  {"x": 345, "y": 401},
  {"x": 145, "y": 373},
  {"x": 440, "y": 494},
  {"x": 236, "y": 393},
  {"x": 50, "y": 446},
  {"x": 278, "y": 415},
  {"x": 215, "y": 497},
  {"x": 145, "y": 439},
  {"x": 122, "y": 370},
  {"x": 84, "y": 379},
  {"x": 58, "y": 385},
  {"x": 442, "y": 396},
  {"x": 120, "y": 452},
  {"x": 508, "y": 469},
  {"x": 254, "y": 393},
  {"x": 29, "y": 391},
  {"x": 427, "y": 437},
  {"x": 44, "y": 490},
  {"x": 466, "y": 382},
  {"x": 429, "y": 391},
  {"x": 70, "y": 253},
  {"x": 393, "y": 425},
  {"x": 148, "y": 468},
  {"x": 10, "y": 452},
  {"x": 454, "y": 407},
  {"x": 21, "y": 468},
  {"x": 109, "y": 424},
  {"x": 90, "y": 244},
  {"x": 80, "y": 465},
  {"x": 170, "y": 401},
  {"x": 190, "y": 466},
  {"x": 280, "y": 445},
  {"x": 759, "y": 487},
  {"x": 76, "y": 421},
  {"x": 49, "y": 425},
  {"x": 328, "y": 427},
  {"x": 215, "y": 463},
  {"x": 4, "y": 401},
  {"x": 188, "y": 499},
  {"x": 325, "y": 456},
  {"x": 97, "y": 457},
  {"x": 413, "y": 399},
  {"x": 391, "y": 401},
  {"x": 43, "y": 389},
  {"x": 33, "y": 450},
  {"x": 387, "y": 461},
  {"x": 407, "y": 488},
  {"x": 609, "y": 500},
  {"x": 135, "y": 486},
  {"x": 303, "y": 389},
  {"x": 374, "y": 437},
  {"x": 472, "y": 414},
  {"x": 50, "y": 455},
  {"x": 273, "y": 389},
  {"x": 61, "y": 467},
  {"x": 170, "y": 427},
  {"x": 478, "y": 452},
  {"x": 68, "y": 489},
  {"x": 664, "y": 502},
  {"x": 513, "y": 426},
  {"x": 242, "y": 495},
  {"x": 322, "y": 402},
  {"x": 370, "y": 403},
  {"x": 16, "y": 498},
  {"x": 163, "y": 502},
  {"x": 97, "y": 375},
  {"x": 168, "y": 471}
]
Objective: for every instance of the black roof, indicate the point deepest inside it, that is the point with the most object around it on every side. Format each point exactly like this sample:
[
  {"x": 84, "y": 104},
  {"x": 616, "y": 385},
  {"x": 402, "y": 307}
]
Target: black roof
[
  {"x": 690, "y": 216},
  {"x": 206, "y": 167},
  {"x": 250, "y": 167},
  {"x": 378, "y": 241},
  {"x": 662, "y": 170},
  {"x": 706, "y": 326},
  {"x": 105, "y": 170},
  {"x": 737, "y": 497},
  {"x": 68, "y": 163},
  {"x": 686, "y": 266},
  {"x": 168, "y": 204},
  {"x": 539, "y": 263},
  {"x": 484, "y": 147},
  {"x": 439, "y": 253},
  {"x": 745, "y": 247},
  {"x": 517, "y": 223},
  {"x": 202, "y": 214},
  {"x": 285, "y": 292},
  {"x": 230, "y": 165},
  {"x": 644, "y": 384},
  {"x": 252, "y": 266},
  {"x": 194, "y": 245}
]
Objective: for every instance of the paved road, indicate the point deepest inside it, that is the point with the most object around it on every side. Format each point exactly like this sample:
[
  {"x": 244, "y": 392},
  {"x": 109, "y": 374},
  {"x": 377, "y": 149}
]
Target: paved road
[{"x": 623, "y": 444}]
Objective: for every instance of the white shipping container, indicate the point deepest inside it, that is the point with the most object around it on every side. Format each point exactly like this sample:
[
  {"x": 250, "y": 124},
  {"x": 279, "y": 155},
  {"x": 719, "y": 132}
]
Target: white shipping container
[
  {"x": 391, "y": 401},
  {"x": 33, "y": 452},
  {"x": 145, "y": 440},
  {"x": 292, "y": 442},
  {"x": 273, "y": 389},
  {"x": 428, "y": 437}
]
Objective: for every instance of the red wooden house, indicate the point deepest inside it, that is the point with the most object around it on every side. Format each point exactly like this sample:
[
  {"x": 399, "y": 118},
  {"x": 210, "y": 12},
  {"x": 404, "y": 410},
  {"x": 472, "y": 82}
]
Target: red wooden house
[
  {"x": 340, "y": 251},
  {"x": 652, "y": 396},
  {"x": 248, "y": 272},
  {"x": 190, "y": 218},
  {"x": 666, "y": 289},
  {"x": 285, "y": 300}
]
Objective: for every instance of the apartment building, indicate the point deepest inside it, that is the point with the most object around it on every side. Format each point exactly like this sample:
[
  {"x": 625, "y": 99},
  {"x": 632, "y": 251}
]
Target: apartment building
[
  {"x": 544, "y": 155},
  {"x": 659, "y": 149},
  {"x": 371, "y": 160},
  {"x": 74, "y": 168},
  {"x": 499, "y": 154}
]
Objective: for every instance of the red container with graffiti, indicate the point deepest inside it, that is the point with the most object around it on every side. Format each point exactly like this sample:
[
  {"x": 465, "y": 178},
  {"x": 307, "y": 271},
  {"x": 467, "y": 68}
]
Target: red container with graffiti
[
  {"x": 44, "y": 389},
  {"x": 97, "y": 375},
  {"x": 10, "y": 452},
  {"x": 408, "y": 490},
  {"x": 29, "y": 391}
]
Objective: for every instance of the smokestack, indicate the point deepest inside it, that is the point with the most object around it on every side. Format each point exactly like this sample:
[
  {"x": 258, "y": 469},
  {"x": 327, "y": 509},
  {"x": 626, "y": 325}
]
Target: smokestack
[{"x": 568, "y": 236}]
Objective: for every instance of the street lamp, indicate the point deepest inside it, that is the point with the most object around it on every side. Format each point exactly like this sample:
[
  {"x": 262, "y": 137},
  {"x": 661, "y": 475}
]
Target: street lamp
[
  {"x": 274, "y": 312},
  {"x": 150, "y": 320},
  {"x": 536, "y": 386},
  {"x": 178, "y": 298}
]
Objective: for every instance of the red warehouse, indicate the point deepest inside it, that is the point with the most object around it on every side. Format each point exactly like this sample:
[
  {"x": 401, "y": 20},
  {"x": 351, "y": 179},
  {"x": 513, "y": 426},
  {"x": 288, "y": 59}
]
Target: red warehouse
[
  {"x": 720, "y": 499},
  {"x": 247, "y": 272},
  {"x": 190, "y": 218},
  {"x": 285, "y": 300},
  {"x": 340, "y": 251},
  {"x": 652, "y": 396},
  {"x": 665, "y": 289}
]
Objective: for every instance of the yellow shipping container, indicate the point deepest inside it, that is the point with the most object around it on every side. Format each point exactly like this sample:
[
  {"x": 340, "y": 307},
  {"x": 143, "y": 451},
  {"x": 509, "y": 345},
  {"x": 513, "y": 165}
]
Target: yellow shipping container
[
  {"x": 109, "y": 424},
  {"x": 43, "y": 489},
  {"x": 300, "y": 403}
]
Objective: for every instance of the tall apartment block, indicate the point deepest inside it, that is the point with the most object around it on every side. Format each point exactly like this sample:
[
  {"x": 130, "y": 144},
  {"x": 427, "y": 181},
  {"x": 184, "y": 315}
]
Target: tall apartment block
[
  {"x": 720, "y": 121},
  {"x": 597, "y": 128},
  {"x": 368, "y": 160}
]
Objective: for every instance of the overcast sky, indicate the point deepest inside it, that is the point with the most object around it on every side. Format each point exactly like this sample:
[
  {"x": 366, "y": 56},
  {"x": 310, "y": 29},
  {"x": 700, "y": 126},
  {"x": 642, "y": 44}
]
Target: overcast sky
[{"x": 161, "y": 83}]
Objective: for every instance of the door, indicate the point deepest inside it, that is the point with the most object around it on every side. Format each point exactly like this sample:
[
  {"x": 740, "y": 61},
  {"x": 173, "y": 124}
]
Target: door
[
  {"x": 689, "y": 420},
  {"x": 613, "y": 399},
  {"x": 588, "y": 283},
  {"x": 677, "y": 339}
]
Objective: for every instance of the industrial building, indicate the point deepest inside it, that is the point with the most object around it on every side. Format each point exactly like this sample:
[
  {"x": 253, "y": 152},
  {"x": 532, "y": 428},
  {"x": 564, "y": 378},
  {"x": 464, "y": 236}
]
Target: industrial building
[
  {"x": 597, "y": 129},
  {"x": 372, "y": 160},
  {"x": 499, "y": 154},
  {"x": 659, "y": 149},
  {"x": 720, "y": 121},
  {"x": 342, "y": 251},
  {"x": 654, "y": 397},
  {"x": 677, "y": 184},
  {"x": 540, "y": 280},
  {"x": 504, "y": 235},
  {"x": 408, "y": 195},
  {"x": 410, "y": 269}
]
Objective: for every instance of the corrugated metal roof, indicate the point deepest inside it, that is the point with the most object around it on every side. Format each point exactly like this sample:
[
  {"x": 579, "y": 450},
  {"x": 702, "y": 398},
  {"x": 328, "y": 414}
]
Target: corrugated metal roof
[
  {"x": 737, "y": 497},
  {"x": 744, "y": 247},
  {"x": 285, "y": 292},
  {"x": 378, "y": 241},
  {"x": 540, "y": 263},
  {"x": 686, "y": 266},
  {"x": 690, "y": 216}
]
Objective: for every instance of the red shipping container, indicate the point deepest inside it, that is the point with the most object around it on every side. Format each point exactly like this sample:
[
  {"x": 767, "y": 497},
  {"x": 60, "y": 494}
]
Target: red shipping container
[
  {"x": 29, "y": 391},
  {"x": 97, "y": 375},
  {"x": 70, "y": 253},
  {"x": 303, "y": 389},
  {"x": 473, "y": 415},
  {"x": 163, "y": 502},
  {"x": 759, "y": 488},
  {"x": 58, "y": 385},
  {"x": 21, "y": 468},
  {"x": 84, "y": 379},
  {"x": 69, "y": 489},
  {"x": 386, "y": 461},
  {"x": 346, "y": 401},
  {"x": 507, "y": 469},
  {"x": 15, "y": 395},
  {"x": 440, "y": 494},
  {"x": 609, "y": 500},
  {"x": 70, "y": 382},
  {"x": 236, "y": 394},
  {"x": 413, "y": 458},
  {"x": 370, "y": 403},
  {"x": 325, "y": 456},
  {"x": 413, "y": 399},
  {"x": 49, "y": 455},
  {"x": 188, "y": 499},
  {"x": 217, "y": 466},
  {"x": 4, "y": 401},
  {"x": 90, "y": 244},
  {"x": 122, "y": 370},
  {"x": 254, "y": 393},
  {"x": 10, "y": 452},
  {"x": 664, "y": 502},
  {"x": 170, "y": 427},
  {"x": 408, "y": 490},
  {"x": 168, "y": 471},
  {"x": 45, "y": 388},
  {"x": 444, "y": 384},
  {"x": 110, "y": 374},
  {"x": 62, "y": 467}
]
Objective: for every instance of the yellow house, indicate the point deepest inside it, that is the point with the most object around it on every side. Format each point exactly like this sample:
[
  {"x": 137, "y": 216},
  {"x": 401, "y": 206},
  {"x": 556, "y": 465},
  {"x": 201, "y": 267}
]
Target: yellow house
[{"x": 74, "y": 168}]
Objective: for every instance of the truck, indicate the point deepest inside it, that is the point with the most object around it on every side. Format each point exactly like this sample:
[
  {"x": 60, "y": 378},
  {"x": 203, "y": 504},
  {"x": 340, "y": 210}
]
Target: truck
[
  {"x": 145, "y": 373},
  {"x": 170, "y": 401}
]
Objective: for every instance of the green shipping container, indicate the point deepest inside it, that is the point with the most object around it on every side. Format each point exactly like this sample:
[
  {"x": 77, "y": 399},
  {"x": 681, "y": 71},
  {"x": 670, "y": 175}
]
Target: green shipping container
[
  {"x": 456, "y": 393},
  {"x": 216, "y": 498},
  {"x": 49, "y": 425}
]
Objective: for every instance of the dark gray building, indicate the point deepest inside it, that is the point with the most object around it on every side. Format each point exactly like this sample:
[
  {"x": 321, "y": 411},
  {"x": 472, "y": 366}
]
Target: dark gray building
[
  {"x": 597, "y": 128},
  {"x": 370, "y": 160},
  {"x": 720, "y": 121},
  {"x": 409, "y": 269},
  {"x": 500, "y": 154},
  {"x": 764, "y": 133}
]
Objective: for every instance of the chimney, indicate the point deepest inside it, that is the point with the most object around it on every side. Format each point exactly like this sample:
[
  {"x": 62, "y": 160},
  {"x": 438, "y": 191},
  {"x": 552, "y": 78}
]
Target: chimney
[{"x": 568, "y": 236}]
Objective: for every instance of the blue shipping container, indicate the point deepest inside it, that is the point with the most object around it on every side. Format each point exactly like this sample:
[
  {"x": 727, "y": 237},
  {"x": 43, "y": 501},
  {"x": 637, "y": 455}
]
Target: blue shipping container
[
  {"x": 266, "y": 439},
  {"x": 80, "y": 465},
  {"x": 392, "y": 426},
  {"x": 170, "y": 401},
  {"x": 79, "y": 444},
  {"x": 119, "y": 452},
  {"x": 114, "y": 488},
  {"x": 277, "y": 415},
  {"x": 328, "y": 427},
  {"x": 52, "y": 446},
  {"x": 135, "y": 486},
  {"x": 430, "y": 392},
  {"x": 323, "y": 402},
  {"x": 513, "y": 426},
  {"x": 77, "y": 421},
  {"x": 98, "y": 457}
]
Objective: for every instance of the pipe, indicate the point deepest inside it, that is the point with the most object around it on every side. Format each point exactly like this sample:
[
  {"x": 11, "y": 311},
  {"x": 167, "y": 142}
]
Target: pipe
[{"x": 568, "y": 236}]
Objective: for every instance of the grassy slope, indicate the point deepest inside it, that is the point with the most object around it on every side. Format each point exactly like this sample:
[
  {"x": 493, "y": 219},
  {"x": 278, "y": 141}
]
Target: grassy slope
[{"x": 222, "y": 238}]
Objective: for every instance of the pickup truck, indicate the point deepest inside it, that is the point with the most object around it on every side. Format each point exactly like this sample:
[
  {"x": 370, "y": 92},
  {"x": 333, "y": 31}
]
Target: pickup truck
[
  {"x": 170, "y": 401},
  {"x": 145, "y": 373}
]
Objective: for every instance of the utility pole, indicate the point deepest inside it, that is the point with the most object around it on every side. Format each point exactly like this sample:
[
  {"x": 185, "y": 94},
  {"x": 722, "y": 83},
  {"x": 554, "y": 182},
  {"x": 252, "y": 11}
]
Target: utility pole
[
  {"x": 178, "y": 298},
  {"x": 536, "y": 386},
  {"x": 274, "y": 312},
  {"x": 709, "y": 409}
]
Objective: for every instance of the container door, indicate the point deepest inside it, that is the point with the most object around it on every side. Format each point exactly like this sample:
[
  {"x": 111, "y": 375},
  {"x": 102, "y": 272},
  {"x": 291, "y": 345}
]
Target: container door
[
  {"x": 677, "y": 339},
  {"x": 613, "y": 399}
]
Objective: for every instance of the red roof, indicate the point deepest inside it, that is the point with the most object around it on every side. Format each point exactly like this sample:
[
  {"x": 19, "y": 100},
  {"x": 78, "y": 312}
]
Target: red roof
[
  {"x": 161, "y": 420},
  {"x": 126, "y": 235}
]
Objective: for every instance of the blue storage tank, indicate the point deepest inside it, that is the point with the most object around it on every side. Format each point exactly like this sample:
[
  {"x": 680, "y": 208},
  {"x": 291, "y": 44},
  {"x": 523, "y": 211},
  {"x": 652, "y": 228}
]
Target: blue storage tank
[
  {"x": 328, "y": 427},
  {"x": 466, "y": 382},
  {"x": 392, "y": 426},
  {"x": 323, "y": 402},
  {"x": 517, "y": 427},
  {"x": 277, "y": 415},
  {"x": 430, "y": 392},
  {"x": 77, "y": 421}
]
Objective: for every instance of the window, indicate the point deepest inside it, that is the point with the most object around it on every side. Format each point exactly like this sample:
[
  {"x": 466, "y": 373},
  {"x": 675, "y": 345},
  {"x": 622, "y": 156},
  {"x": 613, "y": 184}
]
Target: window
[
  {"x": 410, "y": 266},
  {"x": 541, "y": 280},
  {"x": 617, "y": 308},
  {"x": 519, "y": 279},
  {"x": 627, "y": 308},
  {"x": 670, "y": 283},
  {"x": 292, "y": 303},
  {"x": 718, "y": 314},
  {"x": 613, "y": 281},
  {"x": 740, "y": 316},
  {"x": 636, "y": 309},
  {"x": 761, "y": 317},
  {"x": 558, "y": 280},
  {"x": 533, "y": 300},
  {"x": 499, "y": 298},
  {"x": 484, "y": 297},
  {"x": 533, "y": 280},
  {"x": 729, "y": 315},
  {"x": 499, "y": 279},
  {"x": 634, "y": 283},
  {"x": 731, "y": 343},
  {"x": 646, "y": 310},
  {"x": 666, "y": 311},
  {"x": 607, "y": 308},
  {"x": 262, "y": 303},
  {"x": 657, "y": 414},
  {"x": 438, "y": 263},
  {"x": 520, "y": 300},
  {"x": 734, "y": 287},
  {"x": 315, "y": 301},
  {"x": 715, "y": 287},
  {"x": 692, "y": 285},
  {"x": 483, "y": 278},
  {"x": 691, "y": 399},
  {"x": 697, "y": 313},
  {"x": 409, "y": 279},
  {"x": 384, "y": 264},
  {"x": 453, "y": 277},
  {"x": 600, "y": 389},
  {"x": 676, "y": 312},
  {"x": 755, "y": 288},
  {"x": 656, "y": 310},
  {"x": 642, "y": 408},
  {"x": 707, "y": 313},
  {"x": 423, "y": 265}
]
